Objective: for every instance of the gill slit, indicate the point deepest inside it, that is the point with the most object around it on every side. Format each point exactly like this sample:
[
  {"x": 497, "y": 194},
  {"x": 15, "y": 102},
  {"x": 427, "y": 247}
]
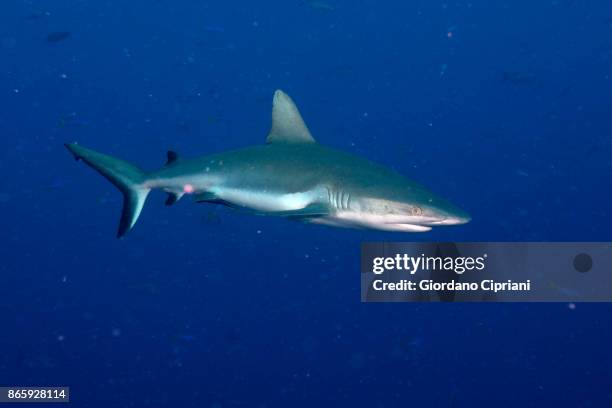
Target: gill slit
[{"x": 338, "y": 199}]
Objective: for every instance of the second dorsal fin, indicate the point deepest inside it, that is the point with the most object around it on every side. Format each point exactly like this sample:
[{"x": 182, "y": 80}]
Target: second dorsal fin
[
  {"x": 287, "y": 123},
  {"x": 171, "y": 157}
]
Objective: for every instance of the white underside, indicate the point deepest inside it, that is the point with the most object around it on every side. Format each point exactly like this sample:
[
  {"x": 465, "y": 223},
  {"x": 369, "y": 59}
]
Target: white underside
[{"x": 264, "y": 201}]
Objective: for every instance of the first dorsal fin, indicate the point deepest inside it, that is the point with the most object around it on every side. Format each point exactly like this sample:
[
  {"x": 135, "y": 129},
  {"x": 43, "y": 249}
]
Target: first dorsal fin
[
  {"x": 172, "y": 156},
  {"x": 287, "y": 123}
]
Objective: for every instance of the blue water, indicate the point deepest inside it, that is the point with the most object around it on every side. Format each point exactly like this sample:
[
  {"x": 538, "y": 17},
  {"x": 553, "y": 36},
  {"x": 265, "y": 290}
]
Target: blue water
[{"x": 503, "y": 107}]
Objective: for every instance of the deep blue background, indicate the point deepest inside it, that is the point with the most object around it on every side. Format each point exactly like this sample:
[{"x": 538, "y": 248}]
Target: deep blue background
[{"x": 503, "y": 107}]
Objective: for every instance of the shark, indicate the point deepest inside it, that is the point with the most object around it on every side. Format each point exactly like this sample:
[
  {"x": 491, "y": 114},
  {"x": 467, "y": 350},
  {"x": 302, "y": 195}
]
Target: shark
[{"x": 290, "y": 176}]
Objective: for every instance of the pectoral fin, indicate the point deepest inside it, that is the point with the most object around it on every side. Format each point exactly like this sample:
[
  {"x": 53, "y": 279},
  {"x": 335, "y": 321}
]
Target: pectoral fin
[
  {"x": 205, "y": 197},
  {"x": 209, "y": 197}
]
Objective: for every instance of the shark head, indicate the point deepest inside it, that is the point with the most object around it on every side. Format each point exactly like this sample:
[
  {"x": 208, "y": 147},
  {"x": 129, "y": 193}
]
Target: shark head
[
  {"x": 410, "y": 215},
  {"x": 411, "y": 209}
]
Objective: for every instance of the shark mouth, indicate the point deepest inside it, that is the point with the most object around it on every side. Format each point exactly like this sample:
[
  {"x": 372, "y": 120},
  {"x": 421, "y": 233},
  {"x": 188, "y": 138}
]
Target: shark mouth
[
  {"x": 354, "y": 223},
  {"x": 402, "y": 227}
]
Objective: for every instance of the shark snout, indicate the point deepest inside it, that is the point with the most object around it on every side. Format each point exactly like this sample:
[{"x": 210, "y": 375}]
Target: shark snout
[
  {"x": 452, "y": 220},
  {"x": 414, "y": 213},
  {"x": 462, "y": 219},
  {"x": 457, "y": 217}
]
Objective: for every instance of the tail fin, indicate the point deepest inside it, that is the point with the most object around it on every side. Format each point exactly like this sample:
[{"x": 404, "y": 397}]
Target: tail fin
[{"x": 125, "y": 176}]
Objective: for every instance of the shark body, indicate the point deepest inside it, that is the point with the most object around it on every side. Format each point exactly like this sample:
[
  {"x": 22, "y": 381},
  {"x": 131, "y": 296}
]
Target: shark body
[{"x": 290, "y": 176}]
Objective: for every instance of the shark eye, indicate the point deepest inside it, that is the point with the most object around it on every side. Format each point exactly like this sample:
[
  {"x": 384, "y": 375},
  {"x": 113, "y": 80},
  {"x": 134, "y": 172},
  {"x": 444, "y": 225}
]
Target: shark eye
[{"x": 417, "y": 211}]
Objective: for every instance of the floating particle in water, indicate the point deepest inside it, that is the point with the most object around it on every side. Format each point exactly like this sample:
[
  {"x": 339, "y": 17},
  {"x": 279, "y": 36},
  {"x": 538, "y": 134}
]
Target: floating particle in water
[
  {"x": 450, "y": 32},
  {"x": 443, "y": 69},
  {"x": 116, "y": 332},
  {"x": 571, "y": 306}
]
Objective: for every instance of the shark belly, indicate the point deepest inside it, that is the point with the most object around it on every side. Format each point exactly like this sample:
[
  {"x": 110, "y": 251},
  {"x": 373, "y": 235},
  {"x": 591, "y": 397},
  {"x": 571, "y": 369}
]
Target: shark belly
[{"x": 266, "y": 200}]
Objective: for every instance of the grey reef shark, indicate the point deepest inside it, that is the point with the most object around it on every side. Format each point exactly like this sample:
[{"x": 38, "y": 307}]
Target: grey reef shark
[{"x": 290, "y": 176}]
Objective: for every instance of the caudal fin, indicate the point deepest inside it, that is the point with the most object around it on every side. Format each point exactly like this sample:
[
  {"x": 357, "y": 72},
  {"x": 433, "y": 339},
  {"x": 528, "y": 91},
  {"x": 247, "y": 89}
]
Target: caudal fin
[{"x": 128, "y": 178}]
